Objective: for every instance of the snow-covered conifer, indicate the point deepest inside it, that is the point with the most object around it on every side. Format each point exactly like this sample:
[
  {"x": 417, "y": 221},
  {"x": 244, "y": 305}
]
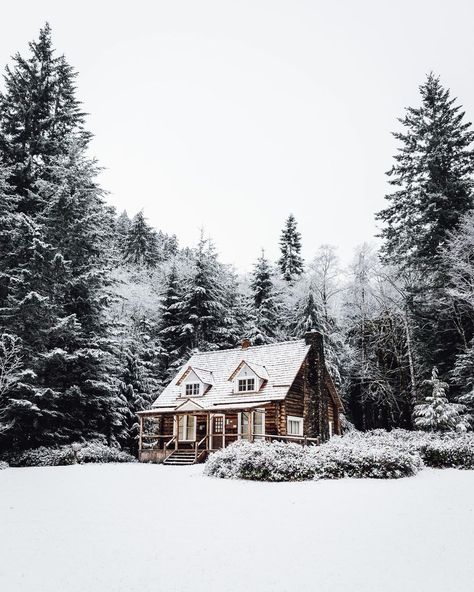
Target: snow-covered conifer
[
  {"x": 436, "y": 413},
  {"x": 290, "y": 262}
]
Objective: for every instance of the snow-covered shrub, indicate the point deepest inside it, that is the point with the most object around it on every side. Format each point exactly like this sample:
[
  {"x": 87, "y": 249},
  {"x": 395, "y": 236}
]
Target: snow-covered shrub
[
  {"x": 450, "y": 453},
  {"x": 70, "y": 454},
  {"x": 359, "y": 457},
  {"x": 341, "y": 457},
  {"x": 261, "y": 461},
  {"x": 98, "y": 452},
  {"x": 3, "y": 465},
  {"x": 44, "y": 457}
]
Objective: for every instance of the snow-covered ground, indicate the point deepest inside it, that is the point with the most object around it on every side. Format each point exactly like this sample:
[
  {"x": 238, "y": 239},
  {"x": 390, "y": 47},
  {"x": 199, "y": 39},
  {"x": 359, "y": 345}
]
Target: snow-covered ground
[{"x": 140, "y": 528}]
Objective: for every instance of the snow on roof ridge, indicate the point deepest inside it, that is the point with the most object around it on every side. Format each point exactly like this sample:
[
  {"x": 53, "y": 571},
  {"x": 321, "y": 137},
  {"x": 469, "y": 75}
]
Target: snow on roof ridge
[{"x": 239, "y": 348}]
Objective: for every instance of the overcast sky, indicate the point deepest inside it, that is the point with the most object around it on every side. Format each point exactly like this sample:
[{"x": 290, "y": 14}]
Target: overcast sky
[{"x": 231, "y": 115}]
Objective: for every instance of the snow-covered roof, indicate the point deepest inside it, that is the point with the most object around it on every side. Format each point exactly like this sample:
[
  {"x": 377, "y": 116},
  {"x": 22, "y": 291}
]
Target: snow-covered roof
[
  {"x": 257, "y": 369},
  {"x": 205, "y": 376},
  {"x": 277, "y": 363}
]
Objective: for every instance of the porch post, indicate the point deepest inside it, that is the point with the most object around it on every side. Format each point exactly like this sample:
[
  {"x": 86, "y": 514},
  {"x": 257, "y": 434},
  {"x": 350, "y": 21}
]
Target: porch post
[
  {"x": 140, "y": 435},
  {"x": 208, "y": 434}
]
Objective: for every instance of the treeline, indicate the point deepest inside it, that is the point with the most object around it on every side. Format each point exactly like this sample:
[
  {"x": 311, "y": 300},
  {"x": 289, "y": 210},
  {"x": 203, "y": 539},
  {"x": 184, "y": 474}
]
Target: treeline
[{"x": 98, "y": 310}]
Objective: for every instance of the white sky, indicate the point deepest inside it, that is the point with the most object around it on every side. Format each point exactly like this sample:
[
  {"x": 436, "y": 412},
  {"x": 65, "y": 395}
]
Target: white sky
[{"x": 231, "y": 115}]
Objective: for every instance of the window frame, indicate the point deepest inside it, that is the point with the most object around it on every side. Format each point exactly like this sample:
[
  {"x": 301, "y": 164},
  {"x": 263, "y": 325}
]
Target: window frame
[
  {"x": 192, "y": 384},
  {"x": 185, "y": 419},
  {"x": 246, "y": 380},
  {"x": 299, "y": 421}
]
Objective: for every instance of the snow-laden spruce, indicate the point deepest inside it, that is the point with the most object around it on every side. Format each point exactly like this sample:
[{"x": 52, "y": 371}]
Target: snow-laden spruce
[{"x": 437, "y": 413}]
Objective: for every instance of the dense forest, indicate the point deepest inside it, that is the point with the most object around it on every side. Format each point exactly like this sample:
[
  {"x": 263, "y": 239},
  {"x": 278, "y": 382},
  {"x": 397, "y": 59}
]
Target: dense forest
[{"x": 98, "y": 310}]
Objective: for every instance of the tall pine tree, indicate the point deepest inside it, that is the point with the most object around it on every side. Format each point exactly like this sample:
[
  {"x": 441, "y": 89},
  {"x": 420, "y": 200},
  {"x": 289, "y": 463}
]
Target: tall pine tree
[{"x": 290, "y": 262}]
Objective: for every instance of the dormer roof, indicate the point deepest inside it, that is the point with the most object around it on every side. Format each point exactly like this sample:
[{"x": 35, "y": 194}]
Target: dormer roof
[
  {"x": 205, "y": 376},
  {"x": 259, "y": 370}
]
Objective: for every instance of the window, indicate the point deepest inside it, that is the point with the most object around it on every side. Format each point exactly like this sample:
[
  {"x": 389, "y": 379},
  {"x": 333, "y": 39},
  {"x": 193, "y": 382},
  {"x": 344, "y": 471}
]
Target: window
[
  {"x": 294, "y": 426},
  {"x": 255, "y": 420},
  {"x": 193, "y": 389},
  {"x": 186, "y": 427},
  {"x": 258, "y": 424},
  {"x": 246, "y": 385},
  {"x": 331, "y": 429},
  {"x": 218, "y": 424}
]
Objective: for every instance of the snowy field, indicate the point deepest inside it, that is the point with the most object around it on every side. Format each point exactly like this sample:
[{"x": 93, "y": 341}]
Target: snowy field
[{"x": 140, "y": 528}]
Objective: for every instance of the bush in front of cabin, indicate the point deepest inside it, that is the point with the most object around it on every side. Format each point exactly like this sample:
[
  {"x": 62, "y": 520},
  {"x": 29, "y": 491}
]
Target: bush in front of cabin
[
  {"x": 362, "y": 459},
  {"x": 455, "y": 453},
  {"x": 3, "y": 465},
  {"x": 261, "y": 461},
  {"x": 96, "y": 451}
]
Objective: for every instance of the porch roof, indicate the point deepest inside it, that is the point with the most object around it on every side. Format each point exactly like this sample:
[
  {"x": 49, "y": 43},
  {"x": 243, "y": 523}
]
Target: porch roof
[{"x": 217, "y": 408}]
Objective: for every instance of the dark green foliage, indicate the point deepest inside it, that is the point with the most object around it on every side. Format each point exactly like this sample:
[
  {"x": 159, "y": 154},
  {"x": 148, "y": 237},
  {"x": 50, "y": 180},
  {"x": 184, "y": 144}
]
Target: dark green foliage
[
  {"x": 203, "y": 308},
  {"x": 39, "y": 114},
  {"x": 433, "y": 173},
  {"x": 141, "y": 245},
  {"x": 265, "y": 302},
  {"x": 291, "y": 262}
]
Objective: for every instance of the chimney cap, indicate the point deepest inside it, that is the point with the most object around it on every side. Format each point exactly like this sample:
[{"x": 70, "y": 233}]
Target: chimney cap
[
  {"x": 313, "y": 337},
  {"x": 246, "y": 343}
]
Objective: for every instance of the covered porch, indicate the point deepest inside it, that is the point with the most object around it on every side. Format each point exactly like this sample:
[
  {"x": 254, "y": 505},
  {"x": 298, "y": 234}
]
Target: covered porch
[{"x": 190, "y": 434}]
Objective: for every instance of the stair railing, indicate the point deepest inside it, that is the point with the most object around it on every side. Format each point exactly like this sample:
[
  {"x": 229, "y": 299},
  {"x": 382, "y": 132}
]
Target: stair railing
[
  {"x": 167, "y": 445},
  {"x": 198, "y": 454}
]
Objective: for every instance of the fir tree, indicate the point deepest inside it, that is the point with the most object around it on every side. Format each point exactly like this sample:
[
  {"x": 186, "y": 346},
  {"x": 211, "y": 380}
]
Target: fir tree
[
  {"x": 307, "y": 316},
  {"x": 171, "y": 323},
  {"x": 141, "y": 243},
  {"x": 265, "y": 302},
  {"x": 436, "y": 413},
  {"x": 38, "y": 114},
  {"x": 433, "y": 173},
  {"x": 290, "y": 262},
  {"x": 203, "y": 308}
]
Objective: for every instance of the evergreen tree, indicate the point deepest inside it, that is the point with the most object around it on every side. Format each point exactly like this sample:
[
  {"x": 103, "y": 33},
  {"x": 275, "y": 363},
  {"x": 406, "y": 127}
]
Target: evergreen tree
[
  {"x": 437, "y": 413},
  {"x": 171, "y": 324},
  {"x": 203, "y": 308},
  {"x": 433, "y": 172},
  {"x": 463, "y": 376},
  {"x": 122, "y": 228},
  {"x": 141, "y": 243},
  {"x": 265, "y": 302},
  {"x": 307, "y": 316},
  {"x": 290, "y": 262},
  {"x": 54, "y": 234},
  {"x": 39, "y": 112}
]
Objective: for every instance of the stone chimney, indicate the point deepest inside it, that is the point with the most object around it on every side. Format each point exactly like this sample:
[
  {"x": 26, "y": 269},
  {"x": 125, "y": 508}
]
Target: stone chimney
[
  {"x": 314, "y": 338},
  {"x": 245, "y": 343}
]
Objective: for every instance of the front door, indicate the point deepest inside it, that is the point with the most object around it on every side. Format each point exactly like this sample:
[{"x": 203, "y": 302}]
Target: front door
[
  {"x": 217, "y": 432},
  {"x": 244, "y": 425}
]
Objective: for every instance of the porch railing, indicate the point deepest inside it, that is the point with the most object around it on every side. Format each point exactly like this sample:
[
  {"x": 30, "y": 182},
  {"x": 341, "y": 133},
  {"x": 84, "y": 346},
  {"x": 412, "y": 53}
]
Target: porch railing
[{"x": 165, "y": 442}]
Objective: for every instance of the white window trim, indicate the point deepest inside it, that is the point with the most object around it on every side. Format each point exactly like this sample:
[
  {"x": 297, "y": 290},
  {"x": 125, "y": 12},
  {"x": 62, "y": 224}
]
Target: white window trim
[
  {"x": 251, "y": 424},
  {"x": 255, "y": 384},
  {"x": 300, "y": 423},
  {"x": 185, "y": 428},
  {"x": 186, "y": 384}
]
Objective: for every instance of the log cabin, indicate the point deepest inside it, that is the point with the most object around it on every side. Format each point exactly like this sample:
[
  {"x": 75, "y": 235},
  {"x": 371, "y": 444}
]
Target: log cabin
[{"x": 279, "y": 391}]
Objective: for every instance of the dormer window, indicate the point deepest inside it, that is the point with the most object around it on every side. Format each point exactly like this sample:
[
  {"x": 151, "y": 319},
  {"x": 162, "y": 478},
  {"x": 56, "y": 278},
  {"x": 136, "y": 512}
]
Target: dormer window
[
  {"x": 193, "y": 389},
  {"x": 245, "y": 385}
]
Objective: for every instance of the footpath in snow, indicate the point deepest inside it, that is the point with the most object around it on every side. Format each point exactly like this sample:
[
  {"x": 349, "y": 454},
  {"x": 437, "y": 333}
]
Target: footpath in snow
[{"x": 144, "y": 528}]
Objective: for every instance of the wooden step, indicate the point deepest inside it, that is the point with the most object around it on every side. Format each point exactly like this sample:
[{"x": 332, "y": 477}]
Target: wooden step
[{"x": 180, "y": 458}]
